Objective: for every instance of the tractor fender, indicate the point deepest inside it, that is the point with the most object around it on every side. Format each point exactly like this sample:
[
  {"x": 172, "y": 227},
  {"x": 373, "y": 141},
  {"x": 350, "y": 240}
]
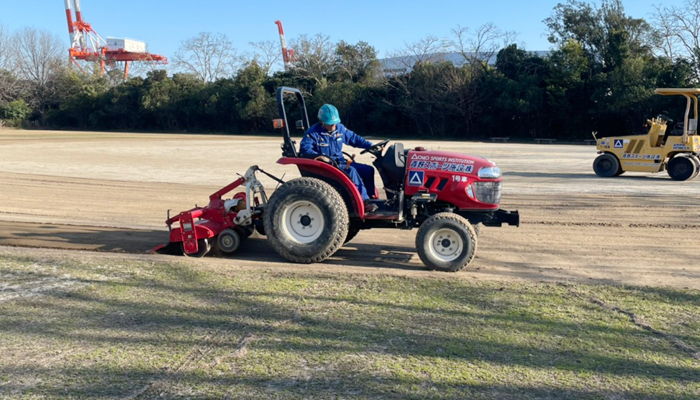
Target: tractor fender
[{"x": 333, "y": 176}]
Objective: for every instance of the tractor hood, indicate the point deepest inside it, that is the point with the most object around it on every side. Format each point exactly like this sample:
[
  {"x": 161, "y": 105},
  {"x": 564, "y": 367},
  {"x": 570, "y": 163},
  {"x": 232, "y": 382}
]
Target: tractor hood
[{"x": 465, "y": 181}]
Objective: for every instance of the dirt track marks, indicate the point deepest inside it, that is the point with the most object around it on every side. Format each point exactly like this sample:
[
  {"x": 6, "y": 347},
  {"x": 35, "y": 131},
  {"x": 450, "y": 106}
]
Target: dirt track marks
[{"x": 110, "y": 193}]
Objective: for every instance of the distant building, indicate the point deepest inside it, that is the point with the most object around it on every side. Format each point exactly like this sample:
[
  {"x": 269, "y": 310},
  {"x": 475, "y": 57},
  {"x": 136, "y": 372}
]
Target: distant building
[{"x": 402, "y": 65}]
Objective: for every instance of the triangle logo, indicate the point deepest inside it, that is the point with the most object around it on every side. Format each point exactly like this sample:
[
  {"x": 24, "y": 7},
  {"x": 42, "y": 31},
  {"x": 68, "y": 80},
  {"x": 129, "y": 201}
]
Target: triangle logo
[{"x": 415, "y": 178}]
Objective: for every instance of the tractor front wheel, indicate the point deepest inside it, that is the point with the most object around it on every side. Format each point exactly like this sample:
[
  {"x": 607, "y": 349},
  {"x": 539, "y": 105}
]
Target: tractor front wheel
[
  {"x": 306, "y": 220},
  {"x": 446, "y": 242},
  {"x": 607, "y": 165},
  {"x": 681, "y": 168}
]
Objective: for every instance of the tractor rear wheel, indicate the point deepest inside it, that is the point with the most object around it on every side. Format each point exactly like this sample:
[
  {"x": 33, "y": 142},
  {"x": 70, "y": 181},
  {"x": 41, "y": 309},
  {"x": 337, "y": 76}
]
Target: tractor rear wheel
[
  {"x": 446, "y": 242},
  {"x": 306, "y": 220},
  {"x": 681, "y": 168},
  {"x": 607, "y": 165}
]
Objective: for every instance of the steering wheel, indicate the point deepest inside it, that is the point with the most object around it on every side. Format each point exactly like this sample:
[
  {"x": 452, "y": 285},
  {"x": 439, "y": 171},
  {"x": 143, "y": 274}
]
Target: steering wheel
[
  {"x": 350, "y": 156},
  {"x": 376, "y": 147}
]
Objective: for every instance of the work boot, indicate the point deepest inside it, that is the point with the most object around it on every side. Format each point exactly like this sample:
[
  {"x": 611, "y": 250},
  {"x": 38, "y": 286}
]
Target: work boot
[{"x": 370, "y": 207}]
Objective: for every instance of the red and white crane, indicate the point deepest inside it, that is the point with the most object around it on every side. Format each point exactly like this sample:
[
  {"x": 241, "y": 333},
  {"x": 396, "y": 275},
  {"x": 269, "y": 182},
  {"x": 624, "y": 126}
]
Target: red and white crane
[
  {"x": 287, "y": 54},
  {"x": 87, "y": 45}
]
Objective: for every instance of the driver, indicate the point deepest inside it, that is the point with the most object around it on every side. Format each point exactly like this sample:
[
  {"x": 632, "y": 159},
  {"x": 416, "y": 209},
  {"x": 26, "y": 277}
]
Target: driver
[{"x": 325, "y": 140}]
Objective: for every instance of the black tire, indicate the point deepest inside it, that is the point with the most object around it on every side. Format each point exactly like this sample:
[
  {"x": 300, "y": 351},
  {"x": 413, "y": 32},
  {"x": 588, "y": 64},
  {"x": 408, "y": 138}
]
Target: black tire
[
  {"x": 681, "y": 168},
  {"x": 203, "y": 247},
  {"x": 620, "y": 171},
  {"x": 228, "y": 241},
  {"x": 301, "y": 203},
  {"x": 477, "y": 229},
  {"x": 438, "y": 249},
  {"x": 607, "y": 165},
  {"x": 695, "y": 161},
  {"x": 352, "y": 232}
]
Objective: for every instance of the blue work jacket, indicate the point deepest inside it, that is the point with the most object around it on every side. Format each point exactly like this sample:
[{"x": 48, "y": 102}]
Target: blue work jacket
[{"x": 318, "y": 142}]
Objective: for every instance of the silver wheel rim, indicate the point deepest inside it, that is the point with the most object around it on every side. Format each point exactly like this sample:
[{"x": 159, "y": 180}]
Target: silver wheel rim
[
  {"x": 445, "y": 244},
  {"x": 226, "y": 242},
  {"x": 302, "y": 222}
]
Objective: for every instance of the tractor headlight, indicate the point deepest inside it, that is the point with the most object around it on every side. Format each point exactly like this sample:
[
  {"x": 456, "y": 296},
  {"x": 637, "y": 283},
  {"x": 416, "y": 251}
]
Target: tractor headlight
[
  {"x": 490, "y": 172},
  {"x": 488, "y": 192}
]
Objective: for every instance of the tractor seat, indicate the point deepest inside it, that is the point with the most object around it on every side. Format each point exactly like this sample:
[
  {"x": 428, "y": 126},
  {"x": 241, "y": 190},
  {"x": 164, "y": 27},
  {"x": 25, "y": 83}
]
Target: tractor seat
[{"x": 394, "y": 163}]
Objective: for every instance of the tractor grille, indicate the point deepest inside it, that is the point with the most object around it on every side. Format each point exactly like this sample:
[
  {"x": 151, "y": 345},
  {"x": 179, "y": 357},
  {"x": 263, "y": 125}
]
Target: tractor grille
[{"x": 488, "y": 192}]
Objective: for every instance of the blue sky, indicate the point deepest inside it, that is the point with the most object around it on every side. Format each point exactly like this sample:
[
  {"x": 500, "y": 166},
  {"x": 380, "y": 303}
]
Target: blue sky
[{"x": 387, "y": 25}]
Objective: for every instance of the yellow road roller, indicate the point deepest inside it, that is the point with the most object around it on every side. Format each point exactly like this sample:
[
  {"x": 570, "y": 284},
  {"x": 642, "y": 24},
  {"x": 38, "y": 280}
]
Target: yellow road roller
[{"x": 677, "y": 150}]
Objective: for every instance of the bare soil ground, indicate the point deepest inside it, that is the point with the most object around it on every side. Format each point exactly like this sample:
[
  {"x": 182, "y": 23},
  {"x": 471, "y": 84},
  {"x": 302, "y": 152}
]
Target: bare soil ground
[{"x": 89, "y": 194}]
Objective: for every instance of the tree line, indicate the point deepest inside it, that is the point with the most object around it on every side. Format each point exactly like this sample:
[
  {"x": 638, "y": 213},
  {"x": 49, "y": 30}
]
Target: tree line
[{"x": 599, "y": 75}]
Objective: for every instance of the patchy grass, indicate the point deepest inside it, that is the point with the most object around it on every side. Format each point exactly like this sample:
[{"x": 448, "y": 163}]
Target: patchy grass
[{"x": 137, "y": 329}]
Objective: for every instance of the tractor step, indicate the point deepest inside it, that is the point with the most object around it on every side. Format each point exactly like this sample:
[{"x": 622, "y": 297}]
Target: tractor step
[{"x": 383, "y": 212}]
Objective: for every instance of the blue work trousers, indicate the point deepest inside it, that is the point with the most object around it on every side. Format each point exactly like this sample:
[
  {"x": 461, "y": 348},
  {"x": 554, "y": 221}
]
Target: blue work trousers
[{"x": 363, "y": 177}]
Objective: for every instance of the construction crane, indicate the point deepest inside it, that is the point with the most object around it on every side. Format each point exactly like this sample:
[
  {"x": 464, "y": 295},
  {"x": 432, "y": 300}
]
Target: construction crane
[
  {"x": 87, "y": 45},
  {"x": 287, "y": 55}
]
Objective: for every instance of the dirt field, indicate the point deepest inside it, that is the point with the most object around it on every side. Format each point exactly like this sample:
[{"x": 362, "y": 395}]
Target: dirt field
[{"x": 109, "y": 192}]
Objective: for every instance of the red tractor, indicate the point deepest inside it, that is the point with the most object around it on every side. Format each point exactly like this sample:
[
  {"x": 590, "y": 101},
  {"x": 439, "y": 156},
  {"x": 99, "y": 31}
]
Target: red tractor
[{"x": 446, "y": 195}]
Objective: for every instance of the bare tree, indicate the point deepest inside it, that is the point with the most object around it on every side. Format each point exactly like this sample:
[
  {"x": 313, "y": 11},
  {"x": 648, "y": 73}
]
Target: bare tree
[
  {"x": 40, "y": 59},
  {"x": 208, "y": 56},
  {"x": 428, "y": 78},
  {"x": 9, "y": 84},
  {"x": 477, "y": 47},
  {"x": 414, "y": 71},
  {"x": 669, "y": 43},
  {"x": 680, "y": 32},
  {"x": 5, "y": 60},
  {"x": 427, "y": 49},
  {"x": 267, "y": 54},
  {"x": 39, "y": 55},
  {"x": 315, "y": 57}
]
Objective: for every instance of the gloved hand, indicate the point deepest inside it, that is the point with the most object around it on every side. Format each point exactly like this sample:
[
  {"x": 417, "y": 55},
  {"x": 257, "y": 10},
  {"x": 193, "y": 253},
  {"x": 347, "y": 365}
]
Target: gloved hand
[
  {"x": 349, "y": 161},
  {"x": 325, "y": 159}
]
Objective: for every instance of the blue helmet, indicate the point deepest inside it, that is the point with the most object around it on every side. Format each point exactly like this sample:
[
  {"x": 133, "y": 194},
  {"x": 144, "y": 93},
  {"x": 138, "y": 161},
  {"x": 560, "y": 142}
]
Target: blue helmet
[{"x": 328, "y": 114}]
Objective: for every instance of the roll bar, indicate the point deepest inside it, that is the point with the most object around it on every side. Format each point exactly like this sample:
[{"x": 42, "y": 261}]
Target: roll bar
[
  {"x": 690, "y": 126},
  {"x": 289, "y": 148}
]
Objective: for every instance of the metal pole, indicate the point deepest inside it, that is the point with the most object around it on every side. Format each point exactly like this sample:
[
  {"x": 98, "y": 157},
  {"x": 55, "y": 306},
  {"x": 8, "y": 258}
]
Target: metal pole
[
  {"x": 285, "y": 55},
  {"x": 78, "y": 13}
]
